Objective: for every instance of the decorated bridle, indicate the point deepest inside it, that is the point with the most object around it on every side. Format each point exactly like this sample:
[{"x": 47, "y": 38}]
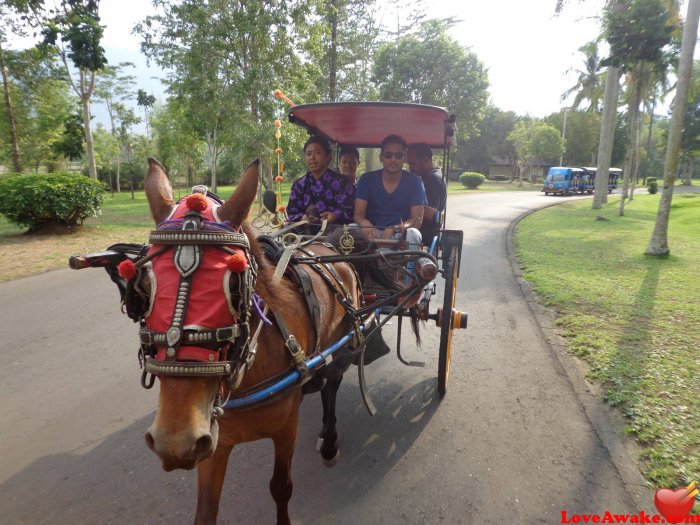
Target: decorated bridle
[{"x": 194, "y": 246}]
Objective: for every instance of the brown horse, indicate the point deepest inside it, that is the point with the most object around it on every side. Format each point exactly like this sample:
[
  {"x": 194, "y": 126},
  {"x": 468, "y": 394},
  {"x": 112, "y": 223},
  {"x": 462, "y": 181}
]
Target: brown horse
[{"x": 189, "y": 429}]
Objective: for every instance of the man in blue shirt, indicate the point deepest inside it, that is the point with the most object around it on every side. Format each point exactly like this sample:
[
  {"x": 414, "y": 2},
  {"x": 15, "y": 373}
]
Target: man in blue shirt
[{"x": 390, "y": 201}]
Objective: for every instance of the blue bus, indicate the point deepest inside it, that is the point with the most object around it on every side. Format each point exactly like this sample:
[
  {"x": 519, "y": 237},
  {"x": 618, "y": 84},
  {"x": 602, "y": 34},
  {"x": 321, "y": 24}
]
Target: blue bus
[
  {"x": 562, "y": 180},
  {"x": 613, "y": 176}
]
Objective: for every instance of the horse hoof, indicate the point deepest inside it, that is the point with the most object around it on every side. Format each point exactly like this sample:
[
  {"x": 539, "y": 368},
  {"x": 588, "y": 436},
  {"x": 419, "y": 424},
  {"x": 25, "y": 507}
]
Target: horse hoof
[
  {"x": 319, "y": 444},
  {"x": 333, "y": 461}
]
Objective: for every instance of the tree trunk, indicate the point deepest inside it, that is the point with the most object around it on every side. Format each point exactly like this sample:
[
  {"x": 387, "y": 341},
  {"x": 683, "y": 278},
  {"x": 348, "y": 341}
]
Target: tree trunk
[
  {"x": 637, "y": 148},
  {"x": 658, "y": 244},
  {"x": 689, "y": 168},
  {"x": 631, "y": 153},
  {"x": 89, "y": 146},
  {"x": 521, "y": 171},
  {"x": 211, "y": 145},
  {"x": 119, "y": 164},
  {"x": 333, "y": 55},
  {"x": 650, "y": 153},
  {"x": 607, "y": 136},
  {"x": 16, "y": 161}
]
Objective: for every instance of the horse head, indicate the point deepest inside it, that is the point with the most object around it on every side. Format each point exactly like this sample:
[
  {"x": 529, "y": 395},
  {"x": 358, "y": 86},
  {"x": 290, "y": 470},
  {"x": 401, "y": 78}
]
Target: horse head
[{"x": 201, "y": 276}]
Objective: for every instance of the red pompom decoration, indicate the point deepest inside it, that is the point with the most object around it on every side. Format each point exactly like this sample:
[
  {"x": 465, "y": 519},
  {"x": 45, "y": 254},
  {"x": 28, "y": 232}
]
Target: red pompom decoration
[
  {"x": 127, "y": 269},
  {"x": 197, "y": 202},
  {"x": 237, "y": 262}
]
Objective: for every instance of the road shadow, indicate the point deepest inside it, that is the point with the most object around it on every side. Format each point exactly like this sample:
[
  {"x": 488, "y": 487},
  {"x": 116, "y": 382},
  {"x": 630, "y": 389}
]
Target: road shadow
[
  {"x": 118, "y": 480},
  {"x": 628, "y": 365}
]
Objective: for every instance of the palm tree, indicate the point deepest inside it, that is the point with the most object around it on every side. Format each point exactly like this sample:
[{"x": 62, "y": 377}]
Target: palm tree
[
  {"x": 638, "y": 32},
  {"x": 591, "y": 80},
  {"x": 658, "y": 244}
]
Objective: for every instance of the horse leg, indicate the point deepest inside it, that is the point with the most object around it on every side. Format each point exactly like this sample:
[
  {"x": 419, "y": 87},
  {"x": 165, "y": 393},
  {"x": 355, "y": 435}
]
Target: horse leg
[
  {"x": 210, "y": 480},
  {"x": 328, "y": 438},
  {"x": 281, "y": 482}
]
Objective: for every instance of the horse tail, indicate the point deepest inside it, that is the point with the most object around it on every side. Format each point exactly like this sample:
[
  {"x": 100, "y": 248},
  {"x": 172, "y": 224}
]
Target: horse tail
[{"x": 415, "y": 320}]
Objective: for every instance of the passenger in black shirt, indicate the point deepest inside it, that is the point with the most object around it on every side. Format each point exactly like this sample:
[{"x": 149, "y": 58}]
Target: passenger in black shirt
[{"x": 420, "y": 162}]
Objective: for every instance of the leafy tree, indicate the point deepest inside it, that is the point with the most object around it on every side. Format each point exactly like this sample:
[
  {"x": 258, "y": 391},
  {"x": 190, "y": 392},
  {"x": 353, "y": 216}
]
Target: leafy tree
[
  {"x": 432, "y": 68},
  {"x": 690, "y": 139},
  {"x": 489, "y": 142},
  {"x": 71, "y": 144},
  {"x": 581, "y": 140},
  {"x": 41, "y": 103},
  {"x": 106, "y": 153},
  {"x": 535, "y": 140},
  {"x": 14, "y": 15},
  {"x": 341, "y": 42},
  {"x": 146, "y": 101},
  {"x": 406, "y": 18},
  {"x": 638, "y": 32},
  {"x": 590, "y": 82},
  {"x": 74, "y": 31},
  {"x": 177, "y": 145},
  {"x": 658, "y": 244},
  {"x": 225, "y": 58},
  {"x": 113, "y": 89}
]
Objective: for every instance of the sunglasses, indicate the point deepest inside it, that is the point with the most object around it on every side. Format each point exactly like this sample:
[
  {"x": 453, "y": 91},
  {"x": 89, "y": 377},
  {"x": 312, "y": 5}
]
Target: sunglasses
[{"x": 398, "y": 155}]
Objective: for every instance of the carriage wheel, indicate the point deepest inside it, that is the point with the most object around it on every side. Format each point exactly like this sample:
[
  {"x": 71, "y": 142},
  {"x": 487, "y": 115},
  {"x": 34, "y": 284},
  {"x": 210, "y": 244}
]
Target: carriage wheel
[{"x": 447, "y": 323}]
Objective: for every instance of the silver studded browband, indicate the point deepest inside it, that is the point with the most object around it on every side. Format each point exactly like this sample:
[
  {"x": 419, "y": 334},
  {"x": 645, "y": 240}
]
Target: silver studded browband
[
  {"x": 217, "y": 335},
  {"x": 198, "y": 237},
  {"x": 188, "y": 368}
]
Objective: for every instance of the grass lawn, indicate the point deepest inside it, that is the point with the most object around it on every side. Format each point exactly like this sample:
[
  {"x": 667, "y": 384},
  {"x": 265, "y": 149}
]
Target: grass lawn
[
  {"x": 456, "y": 187},
  {"x": 634, "y": 319},
  {"x": 123, "y": 219}
]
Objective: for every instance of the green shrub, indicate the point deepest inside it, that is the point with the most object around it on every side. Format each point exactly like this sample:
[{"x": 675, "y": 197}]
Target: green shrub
[
  {"x": 55, "y": 199},
  {"x": 471, "y": 180},
  {"x": 652, "y": 185}
]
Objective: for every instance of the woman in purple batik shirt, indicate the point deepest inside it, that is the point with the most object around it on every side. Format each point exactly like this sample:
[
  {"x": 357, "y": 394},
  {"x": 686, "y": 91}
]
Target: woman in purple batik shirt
[{"x": 321, "y": 193}]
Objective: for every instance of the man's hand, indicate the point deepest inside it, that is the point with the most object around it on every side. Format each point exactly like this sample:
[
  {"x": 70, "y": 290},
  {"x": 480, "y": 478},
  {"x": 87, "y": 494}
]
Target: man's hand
[
  {"x": 368, "y": 228},
  {"x": 388, "y": 233},
  {"x": 310, "y": 214},
  {"x": 329, "y": 216}
]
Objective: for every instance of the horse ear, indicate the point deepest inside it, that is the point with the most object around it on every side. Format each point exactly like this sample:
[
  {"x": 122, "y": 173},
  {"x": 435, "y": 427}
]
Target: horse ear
[
  {"x": 237, "y": 207},
  {"x": 158, "y": 191}
]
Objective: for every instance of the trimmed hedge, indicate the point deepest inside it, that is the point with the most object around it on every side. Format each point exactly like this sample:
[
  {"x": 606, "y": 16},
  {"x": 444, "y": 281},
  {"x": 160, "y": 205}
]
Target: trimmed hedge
[
  {"x": 54, "y": 199},
  {"x": 652, "y": 185},
  {"x": 471, "y": 180}
]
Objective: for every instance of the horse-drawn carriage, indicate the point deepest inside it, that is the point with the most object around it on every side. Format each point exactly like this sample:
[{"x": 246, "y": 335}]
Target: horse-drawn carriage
[{"x": 236, "y": 325}]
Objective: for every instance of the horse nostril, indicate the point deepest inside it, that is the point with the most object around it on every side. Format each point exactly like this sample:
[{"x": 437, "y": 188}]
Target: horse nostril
[
  {"x": 150, "y": 442},
  {"x": 202, "y": 447}
]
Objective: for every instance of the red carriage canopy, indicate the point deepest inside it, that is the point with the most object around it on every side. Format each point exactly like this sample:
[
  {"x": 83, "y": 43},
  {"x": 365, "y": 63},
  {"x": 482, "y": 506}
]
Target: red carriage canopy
[{"x": 366, "y": 124}]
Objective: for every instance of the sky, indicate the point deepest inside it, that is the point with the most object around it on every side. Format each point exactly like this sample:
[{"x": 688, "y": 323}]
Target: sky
[
  {"x": 527, "y": 50},
  {"x": 530, "y": 53}
]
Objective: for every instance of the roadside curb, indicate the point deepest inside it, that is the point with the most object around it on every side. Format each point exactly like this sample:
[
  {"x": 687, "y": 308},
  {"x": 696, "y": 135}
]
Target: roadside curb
[{"x": 604, "y": 419}]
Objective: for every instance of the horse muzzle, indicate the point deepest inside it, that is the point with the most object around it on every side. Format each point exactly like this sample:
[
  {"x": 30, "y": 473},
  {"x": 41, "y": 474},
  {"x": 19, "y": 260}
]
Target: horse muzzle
[{"x": 184, "y": 449}]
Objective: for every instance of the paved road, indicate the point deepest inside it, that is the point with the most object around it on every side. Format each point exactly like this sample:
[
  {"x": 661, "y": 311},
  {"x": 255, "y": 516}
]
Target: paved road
[{"x": 517, "y": 439}]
